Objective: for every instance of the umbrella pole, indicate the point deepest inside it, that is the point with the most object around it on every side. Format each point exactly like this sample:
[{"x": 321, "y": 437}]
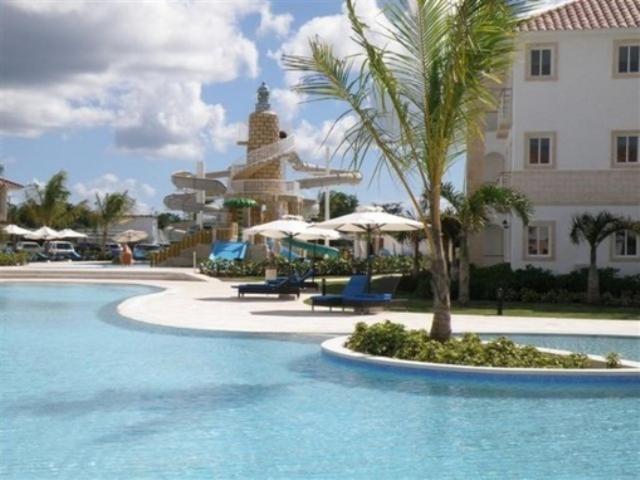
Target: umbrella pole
[
  {"x": 368, "y": 260},
  {"x": 290, "y": 266},
  {"x": 313, "y": 263}
]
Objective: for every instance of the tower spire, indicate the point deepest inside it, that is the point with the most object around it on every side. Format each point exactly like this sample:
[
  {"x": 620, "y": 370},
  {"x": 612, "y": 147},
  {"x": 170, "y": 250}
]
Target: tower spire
[{"x": 263, "y": 104}]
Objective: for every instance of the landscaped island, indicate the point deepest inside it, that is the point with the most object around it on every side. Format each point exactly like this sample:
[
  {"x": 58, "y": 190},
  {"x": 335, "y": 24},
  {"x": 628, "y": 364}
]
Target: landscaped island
[{"x": 393, "y": 340}]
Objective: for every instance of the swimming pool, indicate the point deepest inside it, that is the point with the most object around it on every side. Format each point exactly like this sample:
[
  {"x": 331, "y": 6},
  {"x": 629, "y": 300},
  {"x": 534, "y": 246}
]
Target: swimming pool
[{"x": 87, "y": 394}]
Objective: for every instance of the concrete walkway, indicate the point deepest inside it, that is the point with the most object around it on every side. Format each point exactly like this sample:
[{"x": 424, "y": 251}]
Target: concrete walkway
[{"x": 203, "y": 303}]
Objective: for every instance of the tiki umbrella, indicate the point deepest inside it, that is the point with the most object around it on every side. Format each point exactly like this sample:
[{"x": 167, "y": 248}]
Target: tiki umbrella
[
  {"x": 370, "y": 220},
  {"x": 238, "y": 205}
]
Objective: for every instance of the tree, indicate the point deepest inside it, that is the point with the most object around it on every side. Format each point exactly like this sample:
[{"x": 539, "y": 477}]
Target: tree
[
  {"x": 418, "y": 101},
  {"x": 472, "y": 212},
  {"x": 47, "y": 205},
  {"x": 594, "y": 229},
  {"x": 340, "y": 204},
  {"x": 110, "y": 209},
  {"x": 167, "y": 218}
]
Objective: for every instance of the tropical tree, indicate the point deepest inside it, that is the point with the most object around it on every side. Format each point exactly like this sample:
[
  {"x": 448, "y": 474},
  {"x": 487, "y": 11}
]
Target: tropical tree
[
  {"x": 110, "y": 209},
  {"x": 47, "y": 204},
  {"x": 472, "y": 213},
  {"x": 417, "y": 99},
  {"x": 594, "y": 229},
  {"x": 340, "y": 204}
]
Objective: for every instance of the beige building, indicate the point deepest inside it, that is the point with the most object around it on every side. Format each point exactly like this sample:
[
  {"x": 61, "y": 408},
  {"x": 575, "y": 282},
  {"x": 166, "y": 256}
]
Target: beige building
[{"x": 566, "y": 134}]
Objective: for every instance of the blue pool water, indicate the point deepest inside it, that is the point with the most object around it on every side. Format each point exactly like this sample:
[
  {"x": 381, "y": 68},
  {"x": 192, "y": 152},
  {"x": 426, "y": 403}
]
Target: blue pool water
[{"x": 86, "y": 394}]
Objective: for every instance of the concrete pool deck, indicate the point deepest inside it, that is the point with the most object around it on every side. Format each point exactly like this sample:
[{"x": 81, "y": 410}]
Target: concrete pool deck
[{"x": 203, "y": 303}]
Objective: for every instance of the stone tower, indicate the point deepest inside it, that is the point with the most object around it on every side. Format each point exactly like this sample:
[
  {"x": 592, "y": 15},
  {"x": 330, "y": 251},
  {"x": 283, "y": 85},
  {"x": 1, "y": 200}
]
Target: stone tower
[{"x": 264, "y": 129}]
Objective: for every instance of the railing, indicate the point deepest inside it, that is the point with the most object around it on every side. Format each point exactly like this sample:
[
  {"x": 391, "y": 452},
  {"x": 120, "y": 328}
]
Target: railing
[
  {"x": 505, "y": 107},
  {"x": 271, "y": 150}
]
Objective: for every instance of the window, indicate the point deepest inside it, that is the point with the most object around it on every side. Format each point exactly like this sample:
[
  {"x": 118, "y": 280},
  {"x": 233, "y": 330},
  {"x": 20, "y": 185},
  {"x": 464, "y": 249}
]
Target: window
[
  {"x": 626, "y": 244},
  {"x": 627, "y": 58},
  {"x": 539, "y": 149},
  {"x": 625, "y": 148},
  {"x": 541, "y": 62},
  {"x": 538, "y": 241}
]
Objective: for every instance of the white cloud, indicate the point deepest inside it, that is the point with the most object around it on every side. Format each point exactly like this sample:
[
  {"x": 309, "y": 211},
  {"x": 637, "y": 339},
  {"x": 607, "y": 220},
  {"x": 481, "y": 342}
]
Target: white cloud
[
  {"x": 270, "y": 23},
  {"x": 286, "y": 102},
  {"x": 312, "y": 140},
  {"x": 139, "y": 67},
  {"x": 335, "y": 30},
  {"x": 111, "y": 183}
]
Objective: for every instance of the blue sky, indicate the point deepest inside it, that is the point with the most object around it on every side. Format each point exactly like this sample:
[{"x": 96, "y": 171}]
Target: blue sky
[{"x": 122, "y": 94}]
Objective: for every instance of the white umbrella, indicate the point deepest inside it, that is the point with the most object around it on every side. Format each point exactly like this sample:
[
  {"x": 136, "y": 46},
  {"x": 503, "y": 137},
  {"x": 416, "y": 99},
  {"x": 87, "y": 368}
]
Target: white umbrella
[
  {"x": 130, "y": 236},
  {"x": 68, "y": 233},
  {"x": 369, "y": 220},
  {"x": 289, "y": 227},
  {"x": 16, "y": 230},
  {"x": 44, "y": 233}
]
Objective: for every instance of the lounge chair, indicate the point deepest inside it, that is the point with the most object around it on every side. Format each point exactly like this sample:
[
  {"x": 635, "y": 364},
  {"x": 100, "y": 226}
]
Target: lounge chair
[
  {"x": 301, "y": 280},
  {"x": 381, "y": 294},
  {"x": 282, "y": 287},
  {"x": 355, "y": 286}
]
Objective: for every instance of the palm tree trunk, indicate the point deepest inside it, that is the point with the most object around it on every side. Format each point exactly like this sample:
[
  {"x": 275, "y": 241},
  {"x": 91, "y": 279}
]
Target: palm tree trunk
[
  {"x": 441, "y": 324},
  {"x": 463, "y": 273},
  {"x": 593, "y": 282},
  {"x": 104, "y": 235}
]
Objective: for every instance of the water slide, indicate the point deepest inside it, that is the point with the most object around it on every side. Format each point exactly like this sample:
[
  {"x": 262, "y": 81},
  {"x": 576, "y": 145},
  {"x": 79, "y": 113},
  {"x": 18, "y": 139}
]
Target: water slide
[
  {"x": 312, "y": 248},
  {"x": 282, "y": 150}
]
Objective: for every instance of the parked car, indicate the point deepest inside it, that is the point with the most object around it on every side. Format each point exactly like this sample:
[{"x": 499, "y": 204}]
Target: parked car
[
  {"x": 89, "y": 251},
  {"x": 142, "y": 251},
  {"x": 29, "y": 247},
  {"x": 115, "y": 249},
  {"x": 61, "y": 251}
]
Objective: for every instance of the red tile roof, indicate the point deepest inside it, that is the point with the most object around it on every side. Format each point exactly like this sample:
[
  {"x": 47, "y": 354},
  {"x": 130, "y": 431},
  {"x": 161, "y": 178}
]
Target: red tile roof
[
  {"x": 5, "y": 182},
  {"x": 586, "y": 15}
]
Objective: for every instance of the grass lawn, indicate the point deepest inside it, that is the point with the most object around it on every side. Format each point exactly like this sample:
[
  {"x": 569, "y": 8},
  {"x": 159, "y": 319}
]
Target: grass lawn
[{"x": 516, "y": 309}]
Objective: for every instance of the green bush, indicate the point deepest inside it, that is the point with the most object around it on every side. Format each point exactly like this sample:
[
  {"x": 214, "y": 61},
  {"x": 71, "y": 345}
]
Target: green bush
[
  {"x": 533, "y": 284},
  {"x": 389, "y": 339},
  {"x": 339, "y": 266},
  {"x": 13, "y": 259}
]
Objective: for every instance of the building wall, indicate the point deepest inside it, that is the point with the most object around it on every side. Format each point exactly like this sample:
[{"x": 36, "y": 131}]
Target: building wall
[
  {"x": 565, "y": 255},
  {"x": 582, "y": 107}
]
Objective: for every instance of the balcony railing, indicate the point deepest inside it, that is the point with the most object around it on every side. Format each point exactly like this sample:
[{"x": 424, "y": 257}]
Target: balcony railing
[{"x": 505, "y": 106}]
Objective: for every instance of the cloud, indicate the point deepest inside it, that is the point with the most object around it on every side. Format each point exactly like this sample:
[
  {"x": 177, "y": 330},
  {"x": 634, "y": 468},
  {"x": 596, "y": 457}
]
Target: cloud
[
  {"x": 270, "y": 23},
  {"x": 137, "y": 67},
  {"x": 335, "y": 30},
  {"x": 286, "y": 102},
  {"x": 311, "y": 140},
  {"x": 111, "y": 183}
]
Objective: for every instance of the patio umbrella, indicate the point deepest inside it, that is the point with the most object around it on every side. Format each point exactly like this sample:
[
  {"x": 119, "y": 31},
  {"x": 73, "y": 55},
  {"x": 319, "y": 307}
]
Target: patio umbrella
[
  {"x": 44, "y": 233},
  {"x": 369, "y": 220},
  {"x": 314, "y": 233},
  {"x": 16, "y": 230},
  {"x": 68, "y": 233},
  {"x": 130, "y": 236},
  {"x": 288, "y": 227}
]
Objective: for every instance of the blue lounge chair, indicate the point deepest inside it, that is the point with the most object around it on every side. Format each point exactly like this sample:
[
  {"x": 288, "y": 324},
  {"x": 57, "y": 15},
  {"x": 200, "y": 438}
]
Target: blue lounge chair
[
  {"x": 282, "y": 287},
  {"x": 355, "y": 286},
  {"x": 301, "y": 280}
]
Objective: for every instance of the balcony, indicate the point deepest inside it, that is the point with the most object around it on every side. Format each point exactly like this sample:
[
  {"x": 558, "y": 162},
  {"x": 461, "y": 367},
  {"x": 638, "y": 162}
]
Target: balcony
[{"x": 505, "y": 105}]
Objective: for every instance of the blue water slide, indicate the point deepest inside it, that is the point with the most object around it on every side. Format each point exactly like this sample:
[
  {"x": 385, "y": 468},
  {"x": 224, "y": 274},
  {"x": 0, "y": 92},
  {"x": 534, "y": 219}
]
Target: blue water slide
[{"x": 228, "y": 250}]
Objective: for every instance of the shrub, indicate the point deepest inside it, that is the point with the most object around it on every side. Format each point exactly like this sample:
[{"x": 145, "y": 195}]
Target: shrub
[
  {"x": 613, "y": 360},
  {"x": 13, "y": 259},
  {"x": 393, "y": 340}
]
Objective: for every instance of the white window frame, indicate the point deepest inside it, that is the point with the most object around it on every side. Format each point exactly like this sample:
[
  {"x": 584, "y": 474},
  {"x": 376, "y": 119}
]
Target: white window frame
[
  {"x": 550, "y": 226},
  {"x": 553, "y": 74},
  {"x": 529, "y": 136},
  {"x": 617, "y": 45},
  {"x": 614, "y": 147},
  {"x": 624, "y": 256}
]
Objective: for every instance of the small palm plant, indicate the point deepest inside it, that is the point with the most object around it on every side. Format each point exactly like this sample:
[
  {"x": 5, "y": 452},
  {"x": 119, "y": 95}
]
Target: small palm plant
[
  {"x": 417, "y": 100},
  {"x": 110, "y": 209},
  {"x": 594, "y": 229},
  {"x": 472, "y": 213}
]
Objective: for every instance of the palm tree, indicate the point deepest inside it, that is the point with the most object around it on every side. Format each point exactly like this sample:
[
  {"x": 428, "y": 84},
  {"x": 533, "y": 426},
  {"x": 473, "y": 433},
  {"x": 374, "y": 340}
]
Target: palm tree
[
  {"x": 110, "y": 209},
  {"x": 418, "y": 101},
  {"x": 593, "y": 229},
  {"x": 472, "y": 213},
  {"x": 47, "y": 205}
]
